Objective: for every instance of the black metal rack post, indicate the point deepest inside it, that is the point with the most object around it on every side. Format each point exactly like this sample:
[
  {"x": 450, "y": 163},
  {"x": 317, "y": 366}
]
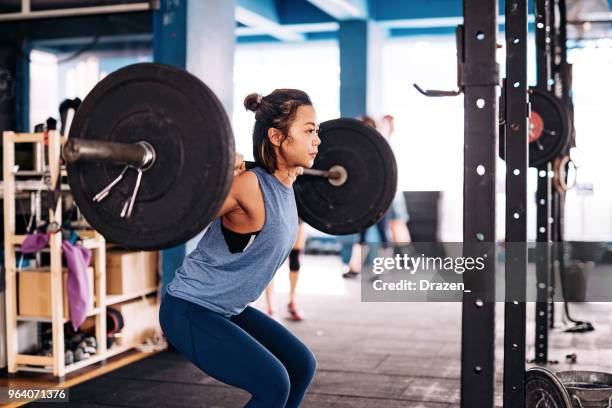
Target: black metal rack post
[
  {"x": 543, "y": 195},
  {"x": 555, "y": 85},
  {"x": 480, "y": 76},
  {"x": 516, "y": 157}
]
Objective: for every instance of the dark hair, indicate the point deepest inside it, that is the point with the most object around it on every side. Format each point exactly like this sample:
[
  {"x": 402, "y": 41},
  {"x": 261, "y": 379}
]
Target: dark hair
[
  {"x": 368, "y": 121},
  {"x": 276, "y": 110}
]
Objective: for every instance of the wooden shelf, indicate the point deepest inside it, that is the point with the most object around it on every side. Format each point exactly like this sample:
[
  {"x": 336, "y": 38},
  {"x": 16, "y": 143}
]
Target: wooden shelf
[
  {"x": 33, "y": 359},
  {"x": 34, "y": 173},
  {"x": 28, "y": 173},
  {"x": 91, "y": 243},
  {"x": 114, "y": 299},
  {"x": 96, "y": 358},
  {"x": 24, "y": 188},
  {"x": 91, "y": 239},
  {"x": 34, "y": 369},
  {"x": 34, "y": 186},
  {"x": 25, "y": 137},
  {"x": 43, "y": 364},
  {"x": 47, "y": 319},
  {"x": 28, "y": 137}
]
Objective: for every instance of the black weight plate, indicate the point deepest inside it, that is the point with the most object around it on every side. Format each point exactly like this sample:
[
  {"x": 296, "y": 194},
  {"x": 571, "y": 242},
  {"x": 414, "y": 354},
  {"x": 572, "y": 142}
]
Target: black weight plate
[
  {"x": 369, "y": 189},
  {"x": 544, "y": 390},
  {"x": 549, "y": 128},
  {"x": 187, "y": 126},
  {"x": 556, "y": 127}
]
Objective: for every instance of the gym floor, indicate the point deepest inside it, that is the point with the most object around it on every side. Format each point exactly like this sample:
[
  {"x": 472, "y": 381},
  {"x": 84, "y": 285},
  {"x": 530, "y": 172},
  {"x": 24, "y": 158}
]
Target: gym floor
[{"x": 369, "y": 354}]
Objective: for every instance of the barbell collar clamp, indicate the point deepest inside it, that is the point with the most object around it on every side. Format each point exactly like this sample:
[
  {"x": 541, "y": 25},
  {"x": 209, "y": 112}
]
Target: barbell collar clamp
[{"x": 336, "y": 174}]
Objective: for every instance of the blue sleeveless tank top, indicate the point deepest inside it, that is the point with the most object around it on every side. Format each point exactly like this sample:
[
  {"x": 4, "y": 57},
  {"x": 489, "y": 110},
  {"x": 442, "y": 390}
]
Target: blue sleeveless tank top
[{"x": 224, "y": 282}]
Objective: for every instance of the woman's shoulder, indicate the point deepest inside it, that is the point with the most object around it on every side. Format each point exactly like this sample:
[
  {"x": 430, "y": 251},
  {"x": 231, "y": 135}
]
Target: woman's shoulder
[
  {"x": 246, "y": 185},
  {"x": 248, "y": 180}
]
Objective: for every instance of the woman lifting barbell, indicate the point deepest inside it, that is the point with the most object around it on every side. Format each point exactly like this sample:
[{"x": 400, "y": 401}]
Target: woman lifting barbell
[{"x": 204, "y": 312}]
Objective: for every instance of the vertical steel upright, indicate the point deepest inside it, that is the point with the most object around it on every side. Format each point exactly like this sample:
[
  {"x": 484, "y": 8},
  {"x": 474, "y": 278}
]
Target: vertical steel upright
[
  {"x": 479, "y": 74},
  {"x": 516, "y": 158},
  {"x": 555, "y": 87},
  {"x": 562, "y": 72},
  {"x": 543, "y": 195}
]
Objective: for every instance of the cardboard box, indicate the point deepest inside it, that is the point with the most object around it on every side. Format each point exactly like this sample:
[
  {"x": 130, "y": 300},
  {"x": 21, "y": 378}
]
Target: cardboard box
[
  {"x": 130, "y": 272},
  {"x": 35, "y": 292},
  {"x": 141, "y": 319}
]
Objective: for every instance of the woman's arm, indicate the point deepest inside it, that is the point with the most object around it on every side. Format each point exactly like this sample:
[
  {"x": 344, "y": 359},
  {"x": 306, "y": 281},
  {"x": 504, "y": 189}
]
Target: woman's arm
[
  {"x": 244, "y": 197},
  {"x": 231, "y": 203},
  {"x": 240, "y": 194}
]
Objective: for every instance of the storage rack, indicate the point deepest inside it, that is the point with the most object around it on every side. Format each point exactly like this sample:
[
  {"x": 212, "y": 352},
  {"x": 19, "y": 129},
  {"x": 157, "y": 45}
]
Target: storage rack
[{"x": 55, "y": 363}]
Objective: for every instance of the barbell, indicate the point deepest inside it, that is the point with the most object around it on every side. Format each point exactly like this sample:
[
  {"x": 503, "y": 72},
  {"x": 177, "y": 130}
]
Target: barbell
[{"x": 150, "y": 158}]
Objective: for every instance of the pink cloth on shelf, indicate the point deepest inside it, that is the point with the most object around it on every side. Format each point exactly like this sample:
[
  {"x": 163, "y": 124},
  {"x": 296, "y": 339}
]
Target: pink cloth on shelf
[
  {"x": 34, "y": 242},
  {"x": 78, "y": 289}
]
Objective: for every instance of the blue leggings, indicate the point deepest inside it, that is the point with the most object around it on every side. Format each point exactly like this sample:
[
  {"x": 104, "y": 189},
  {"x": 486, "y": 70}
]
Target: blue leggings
[{"x": 250, "y": 351}]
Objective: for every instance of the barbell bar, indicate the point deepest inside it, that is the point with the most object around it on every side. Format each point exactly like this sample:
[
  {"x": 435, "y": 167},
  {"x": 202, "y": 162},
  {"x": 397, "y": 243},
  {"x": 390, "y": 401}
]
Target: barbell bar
[{"x": 141, "y": 155}]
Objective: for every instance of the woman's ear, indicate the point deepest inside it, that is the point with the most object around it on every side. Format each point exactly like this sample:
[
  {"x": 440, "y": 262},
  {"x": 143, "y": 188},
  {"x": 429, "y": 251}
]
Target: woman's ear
[{"x": 275, "y": 136}]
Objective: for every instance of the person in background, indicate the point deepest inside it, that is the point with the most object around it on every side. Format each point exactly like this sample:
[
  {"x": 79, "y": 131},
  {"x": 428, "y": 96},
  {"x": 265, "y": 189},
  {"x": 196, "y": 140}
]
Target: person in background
[
  {"x": 398, "y": 213},
  {"x": 294, "y": 269},
  {"x": 393, "y": 225}
]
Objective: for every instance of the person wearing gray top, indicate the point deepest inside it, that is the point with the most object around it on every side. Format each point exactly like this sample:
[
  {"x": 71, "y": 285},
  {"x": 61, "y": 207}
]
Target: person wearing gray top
[{"x": 204, "y": 313}]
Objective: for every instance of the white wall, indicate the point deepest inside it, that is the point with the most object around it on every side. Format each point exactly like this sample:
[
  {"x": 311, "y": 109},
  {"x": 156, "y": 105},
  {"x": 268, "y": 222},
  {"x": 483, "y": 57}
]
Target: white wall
[
  {"x": 428, "y": 140},
  {"x": 44, "y": 99},
  {"x": 54, "y": 78},
  {"x": 589, "y": 217}
]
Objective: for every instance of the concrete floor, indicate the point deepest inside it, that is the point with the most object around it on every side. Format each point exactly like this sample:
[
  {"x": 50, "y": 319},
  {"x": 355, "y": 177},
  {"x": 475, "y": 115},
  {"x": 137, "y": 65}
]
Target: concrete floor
[{"x": 379, "y": 355}]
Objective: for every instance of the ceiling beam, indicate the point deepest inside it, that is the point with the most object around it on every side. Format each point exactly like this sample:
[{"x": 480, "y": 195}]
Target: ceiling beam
[
  {"x": 261, "y": 15},
  {"x": 295, "y": 28},
  {"x": 343, "y": 9}
]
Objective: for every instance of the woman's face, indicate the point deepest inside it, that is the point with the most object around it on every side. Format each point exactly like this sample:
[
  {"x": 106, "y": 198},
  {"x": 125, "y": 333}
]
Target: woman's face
[{"x": 300, "y": 148}]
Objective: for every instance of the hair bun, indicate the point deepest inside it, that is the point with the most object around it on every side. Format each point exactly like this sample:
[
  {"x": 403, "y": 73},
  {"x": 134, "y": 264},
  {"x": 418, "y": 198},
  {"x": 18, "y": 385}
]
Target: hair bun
[{"x": 252, "y": 102}]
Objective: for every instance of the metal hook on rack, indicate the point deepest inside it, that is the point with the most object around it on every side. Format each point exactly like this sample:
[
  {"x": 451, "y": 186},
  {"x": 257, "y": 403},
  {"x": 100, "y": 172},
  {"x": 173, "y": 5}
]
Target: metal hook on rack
[{"x": 437, "y": 93}]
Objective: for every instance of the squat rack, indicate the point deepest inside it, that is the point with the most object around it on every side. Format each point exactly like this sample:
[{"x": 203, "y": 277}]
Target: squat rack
[
  {"x": 477, "y": 370},
  {"x": 478, "y": 79}
]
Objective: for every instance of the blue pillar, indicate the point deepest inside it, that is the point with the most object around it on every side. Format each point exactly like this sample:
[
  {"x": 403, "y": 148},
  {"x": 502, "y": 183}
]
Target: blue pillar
[
  {"x": 360, "y": 44},
  {"x": 170, "y": 33},
  {"x": 196, "y": 35}
]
